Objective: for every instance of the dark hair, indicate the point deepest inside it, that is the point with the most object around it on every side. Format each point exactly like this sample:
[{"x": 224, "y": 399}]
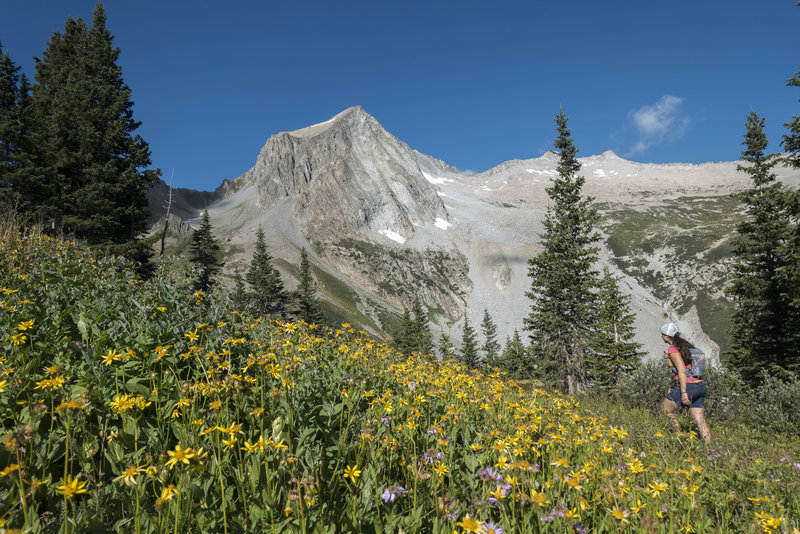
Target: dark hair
[{"x": 683, "y": 346}]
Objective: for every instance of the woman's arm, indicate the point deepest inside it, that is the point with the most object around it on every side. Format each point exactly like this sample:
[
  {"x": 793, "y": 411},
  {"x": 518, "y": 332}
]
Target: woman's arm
[{"x": 677, "y": 361}]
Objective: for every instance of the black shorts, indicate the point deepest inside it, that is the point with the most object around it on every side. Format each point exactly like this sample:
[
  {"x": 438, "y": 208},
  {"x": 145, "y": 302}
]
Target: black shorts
[{"x": 696, "y": 392}]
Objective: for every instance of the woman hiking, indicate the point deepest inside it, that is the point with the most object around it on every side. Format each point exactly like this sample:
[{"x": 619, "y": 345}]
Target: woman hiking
[{"x": 688, "y": 391}]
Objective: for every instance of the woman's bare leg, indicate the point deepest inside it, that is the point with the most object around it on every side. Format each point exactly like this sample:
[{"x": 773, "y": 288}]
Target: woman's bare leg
[
  {"x": 669, "y": 408},
  {"x": 699, "y": 418}
]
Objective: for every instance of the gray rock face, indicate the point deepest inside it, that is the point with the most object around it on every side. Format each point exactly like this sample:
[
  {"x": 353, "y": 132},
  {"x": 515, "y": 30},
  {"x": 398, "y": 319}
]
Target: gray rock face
[
  {"x": 350, "y": 178},
  {"x": 390, "y": 224}
]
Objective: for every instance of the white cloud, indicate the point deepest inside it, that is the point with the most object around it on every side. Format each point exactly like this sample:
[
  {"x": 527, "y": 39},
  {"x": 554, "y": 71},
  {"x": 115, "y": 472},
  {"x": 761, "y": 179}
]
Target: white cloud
[{"x": 659, "y": 123}]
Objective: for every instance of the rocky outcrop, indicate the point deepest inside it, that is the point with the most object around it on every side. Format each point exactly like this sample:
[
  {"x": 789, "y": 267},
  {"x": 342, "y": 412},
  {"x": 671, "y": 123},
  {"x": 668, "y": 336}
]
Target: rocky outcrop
[
  {"x": 350, "y": 177},
  {"x": 438, "y": 278}
]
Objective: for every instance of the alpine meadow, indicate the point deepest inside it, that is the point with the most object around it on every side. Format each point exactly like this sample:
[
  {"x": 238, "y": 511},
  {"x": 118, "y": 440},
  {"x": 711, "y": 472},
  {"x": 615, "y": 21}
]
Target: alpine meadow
[{"x": 353, "y": 336}]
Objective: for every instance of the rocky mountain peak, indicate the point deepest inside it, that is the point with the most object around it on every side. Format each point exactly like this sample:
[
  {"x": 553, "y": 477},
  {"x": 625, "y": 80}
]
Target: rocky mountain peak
[{"x": 346, "y": 177}]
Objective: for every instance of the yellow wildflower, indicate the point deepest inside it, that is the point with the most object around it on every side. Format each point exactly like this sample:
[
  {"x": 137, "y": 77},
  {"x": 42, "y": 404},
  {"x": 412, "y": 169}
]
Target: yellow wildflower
[
  {"x": 70, "y": 487},
  {"x": 352, "y": 473}
]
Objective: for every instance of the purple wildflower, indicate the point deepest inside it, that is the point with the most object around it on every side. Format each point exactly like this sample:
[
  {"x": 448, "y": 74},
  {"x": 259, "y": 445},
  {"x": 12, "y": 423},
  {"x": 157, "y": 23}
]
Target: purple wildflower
[
  {"x": 546, "y": 518},
  {"x": 391, "y": 493},
  {"x": 432, "y": 456},
  {"x": 580, "y": 529},
  {"x": 559, "y": 511},
  {"x": 490, "y": 473},
  {"x": 386, "y": 420},
  {"x": 796, "y": 465}
]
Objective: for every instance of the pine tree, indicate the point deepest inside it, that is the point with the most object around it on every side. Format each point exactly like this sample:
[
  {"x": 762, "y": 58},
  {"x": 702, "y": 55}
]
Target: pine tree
[
  {"x": 764, "y": 323},
  {"x": 469, "y": 345},
  {"x": 88, "y": 167},
  {"x": 402, "y": 339},
  {"x": 491, "y": 347},
  {"x": 791, "y": 139},
  {"x": 308, "y": 304},
  {"x": 614, "y": 352},
  {"x": 446, "y": 349},
  {"x": 791, "y": 249},
  {"x": 205, "y": 253},
  {"x": 14, "y": 129},
  {"x": 562, "y": 277},
  {"x": 238, "y": 294},
  {"x": 267, "y": 294},
  {"x": 420, "y": 338},
  {"x": 514, "y": 359}
]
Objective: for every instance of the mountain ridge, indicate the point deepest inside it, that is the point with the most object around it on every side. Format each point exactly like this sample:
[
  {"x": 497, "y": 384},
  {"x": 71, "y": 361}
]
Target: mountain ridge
[{"x": 392, "y": 223}]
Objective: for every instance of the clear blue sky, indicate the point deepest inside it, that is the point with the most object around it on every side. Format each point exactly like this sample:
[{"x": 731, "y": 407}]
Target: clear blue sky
[{"x": 473, "y": 83}]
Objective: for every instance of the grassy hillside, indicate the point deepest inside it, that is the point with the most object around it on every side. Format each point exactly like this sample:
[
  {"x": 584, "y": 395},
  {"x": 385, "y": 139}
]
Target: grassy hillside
[
  {"x": 680, "y": 249},
  {"x": 141, "y": 406}
]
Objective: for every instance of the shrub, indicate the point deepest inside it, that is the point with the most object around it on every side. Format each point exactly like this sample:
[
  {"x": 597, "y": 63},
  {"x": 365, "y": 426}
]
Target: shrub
[
  {"x": 646, "y": 385},
  {"x": 776, "y": 408}
]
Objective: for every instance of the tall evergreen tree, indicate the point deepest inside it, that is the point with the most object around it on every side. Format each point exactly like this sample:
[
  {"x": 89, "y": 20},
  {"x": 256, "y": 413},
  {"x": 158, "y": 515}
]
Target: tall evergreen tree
[
  {"x": 791, "y": 139},
  {"x": 205, "y": 253},
  {"x": 515, "y": 360},
  {"x": 490, "y": 347},
  {"x": 14, "y": 128},
  {"x": 238, "y": 294},
  {"x": 764, "y": 323},
  {"x": 614, "y": 351},
  {"x": 469, "y": 345},
  {"x": 88, "y": 170},
  {"x": 267, "y": 294},
  {"x": 446, "y": 349},
  {"x": 562, "y": 277},
  {"x": 402, "y": 340},
  {"x": 305, "y": 295},
  {"x": 791, "y": 250},
  {"x": 420, "y": 338}
]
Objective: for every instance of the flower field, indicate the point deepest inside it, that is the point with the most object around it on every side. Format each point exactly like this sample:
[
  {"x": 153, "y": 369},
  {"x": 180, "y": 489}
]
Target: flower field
[{"x": 137, "y": 406}]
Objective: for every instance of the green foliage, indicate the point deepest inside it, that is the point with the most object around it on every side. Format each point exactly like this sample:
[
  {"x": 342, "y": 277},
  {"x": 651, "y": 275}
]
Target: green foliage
[
  {"x": 14, "y": 128},
  {"x": 776, "y": 408},
  {"x": 490, "y": 347},
  {"x": 515, "y": 359},
  {"x": 765, "y": 324},
  {"x": 414, "y": 334},
  {"x": 86, "y": 168},
  {"x": 614, "y": 354},
  {"x": 791, "y": 139},
  {"x": 562, "y": 276},
  {"x": 266, "y": 293},
  {"x": 205, "y": 254},
  {"x": 305, "y": 297},
  {"x": 468, "y": 354},
  {"x": 138, "y": 406},
  {"x": 446, "y": 349}
]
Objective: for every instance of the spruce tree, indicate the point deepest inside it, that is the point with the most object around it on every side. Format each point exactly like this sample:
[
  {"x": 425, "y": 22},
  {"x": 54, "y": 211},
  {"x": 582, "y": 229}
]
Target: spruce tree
[
  {"x": 791, "y": 139},
  {"x": 469, "y": 345},
  {"x": 238, "y": 294},
  {"x": 514, "y": 359},
  {"x": 563, "y": 279},
  {"x": 614, "y": 351},
  {"x": 446, "y": 349},
  {"x": 205, "y": 253},
  {"x": 491, "y": 347},
  {"x": 420, "y": 338},
  {"x": 305, "y": 297},
  {"x": 14, "y": 128},
  {"x": 88, "y": 171},
  {"x": 402, "y": 340},
  {"x": 267, "y": 294},
  {"x": 764, "y": 323}
]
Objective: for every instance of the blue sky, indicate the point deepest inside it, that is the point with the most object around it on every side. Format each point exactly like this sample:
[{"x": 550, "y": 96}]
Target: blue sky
[{"x": 471, "y": 83}]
